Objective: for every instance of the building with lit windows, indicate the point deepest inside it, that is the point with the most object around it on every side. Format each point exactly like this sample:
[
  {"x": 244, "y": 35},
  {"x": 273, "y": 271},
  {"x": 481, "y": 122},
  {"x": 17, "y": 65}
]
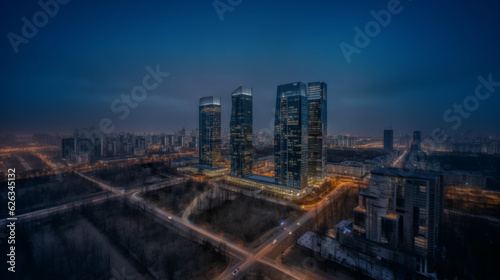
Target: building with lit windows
[
  {"x": 317, "y": 129},
  {"x": 291, "y": 136},
  {"x": 203, "y": 170},
  {"x": 266, "y": 184},
  {"x": 241, "y": 132},
  {"x": 397, "y": 220},
  {"x": 348, "y": 169},
  {"x": 210, "y": 131}
]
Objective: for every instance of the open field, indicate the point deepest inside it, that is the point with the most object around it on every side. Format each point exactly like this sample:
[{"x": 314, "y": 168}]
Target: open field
[
  {"x": 11, "y": 161},
  {"x": 176, "y": 198},
  {"x": 43, "y": 192},
  {"x": 65, "y": 246},
  {"x": 54, "y": 156},
  {"x": 471, "y": 247},
  {"x": 34, "y": 161},
  {"x": 156, "y": 250},
  {"x": 21, "y": 161},
  {"x": 243, "y": 219},
  {"x": 131, "y": 176},
  {"x": 113, "y": 239},
  {"x": 473, "y": 201}
]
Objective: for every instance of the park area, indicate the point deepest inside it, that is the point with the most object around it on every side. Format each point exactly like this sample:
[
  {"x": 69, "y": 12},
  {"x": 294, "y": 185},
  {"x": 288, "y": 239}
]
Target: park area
[
  {"x": 110, "y": 240},
  {"x": 21, "y": 161},
  {"x": 225, "y": 211},
  {"x": 130, "y": 176},
  {"x": 48, "y": 191},
  {"x": 176, "y": 199},
  {"x": 241, "y": 218}
]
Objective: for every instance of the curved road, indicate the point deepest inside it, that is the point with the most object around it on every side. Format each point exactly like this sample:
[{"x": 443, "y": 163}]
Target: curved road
[{"x": 247, "y": 258}]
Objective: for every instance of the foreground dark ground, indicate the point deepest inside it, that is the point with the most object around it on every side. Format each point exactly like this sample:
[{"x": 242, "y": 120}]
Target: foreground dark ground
[{"x": 109, "y": 239}]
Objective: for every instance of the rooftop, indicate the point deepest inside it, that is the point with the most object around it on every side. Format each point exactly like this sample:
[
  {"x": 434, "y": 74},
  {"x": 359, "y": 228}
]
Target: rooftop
[
  {"x": 184, "y": 159},
  {"x": 260, "y": 178},
  {"x": 210, "y": 100},
  {"x": 242, "y": 91},
  {"x": 293, "y": 89},
  {"x": 206, "y": 167}
]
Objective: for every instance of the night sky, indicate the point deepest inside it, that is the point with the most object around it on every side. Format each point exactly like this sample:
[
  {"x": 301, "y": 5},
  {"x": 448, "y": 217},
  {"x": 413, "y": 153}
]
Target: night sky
[{"x": 427, "y": 58}]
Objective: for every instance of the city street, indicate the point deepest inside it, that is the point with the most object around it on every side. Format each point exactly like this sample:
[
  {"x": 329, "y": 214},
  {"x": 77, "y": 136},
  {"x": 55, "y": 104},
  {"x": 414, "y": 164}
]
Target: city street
[{"x": 245, "y": 257}]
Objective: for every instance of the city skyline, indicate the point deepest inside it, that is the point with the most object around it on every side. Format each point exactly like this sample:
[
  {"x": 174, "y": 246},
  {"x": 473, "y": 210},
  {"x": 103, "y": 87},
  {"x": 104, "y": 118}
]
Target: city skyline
[
  {"x": 85, "y": 67},
  {"x": 233, "y": 139}
]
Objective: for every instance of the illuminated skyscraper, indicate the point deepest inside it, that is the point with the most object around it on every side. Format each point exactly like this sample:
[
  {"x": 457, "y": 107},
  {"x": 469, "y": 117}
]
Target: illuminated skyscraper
[
  {"x": 317, "y": 122},
  {"x": 291, "y": 136},
  {"x": 241, "y": 132},
  {"x": 210, "y": 131},
  {"x": 388, "y": 139}
]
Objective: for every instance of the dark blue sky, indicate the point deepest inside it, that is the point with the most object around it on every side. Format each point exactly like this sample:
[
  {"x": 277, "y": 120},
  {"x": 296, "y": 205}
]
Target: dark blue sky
[{"x": 89, "y": 53}]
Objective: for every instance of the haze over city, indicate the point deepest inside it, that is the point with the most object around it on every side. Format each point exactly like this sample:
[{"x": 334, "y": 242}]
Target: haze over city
[
  {"x": 426, "y": 59},
  {"x": 249, "y": 140}
]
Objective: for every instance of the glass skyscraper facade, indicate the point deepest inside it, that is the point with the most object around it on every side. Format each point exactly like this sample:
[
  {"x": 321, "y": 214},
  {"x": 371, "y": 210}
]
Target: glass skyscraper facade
[
  {"x": 210, "y": 131},
  {"x": 291, "y": 136},
  {"x": 241, "y": 132},
  {"x": 317, "y": 103}
]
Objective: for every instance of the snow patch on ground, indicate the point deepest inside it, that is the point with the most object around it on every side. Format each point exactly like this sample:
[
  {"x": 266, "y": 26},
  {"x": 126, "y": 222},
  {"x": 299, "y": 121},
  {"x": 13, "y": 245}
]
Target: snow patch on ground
[{"x": 331, "y": 249}]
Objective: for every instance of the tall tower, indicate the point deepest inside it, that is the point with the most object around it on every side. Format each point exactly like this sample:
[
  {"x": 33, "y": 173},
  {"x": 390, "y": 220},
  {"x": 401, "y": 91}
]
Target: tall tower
[
  {"x": 388, "y": 139},
  {"x": 210, "y": 131},
  {"x": 291, "y": 136},
  {"x": 417, "y": 140},
  {"x": 317, "y": 103},
  {"x": 241, "y": 132}
]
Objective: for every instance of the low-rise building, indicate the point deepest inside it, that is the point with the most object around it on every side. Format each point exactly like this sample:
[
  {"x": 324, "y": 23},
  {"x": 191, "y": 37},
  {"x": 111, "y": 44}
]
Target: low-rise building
[
  {"x": 397, "y": 220},
  {"x": 185, "y": 161},
  {"x": 347, "y": 168},
  {"x": 204, "y": 170},
  {"x": 265, "y": 183}
]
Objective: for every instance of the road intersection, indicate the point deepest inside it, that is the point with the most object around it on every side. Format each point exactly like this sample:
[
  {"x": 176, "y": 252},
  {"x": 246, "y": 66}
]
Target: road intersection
[{"x": 246, "y": 257}]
